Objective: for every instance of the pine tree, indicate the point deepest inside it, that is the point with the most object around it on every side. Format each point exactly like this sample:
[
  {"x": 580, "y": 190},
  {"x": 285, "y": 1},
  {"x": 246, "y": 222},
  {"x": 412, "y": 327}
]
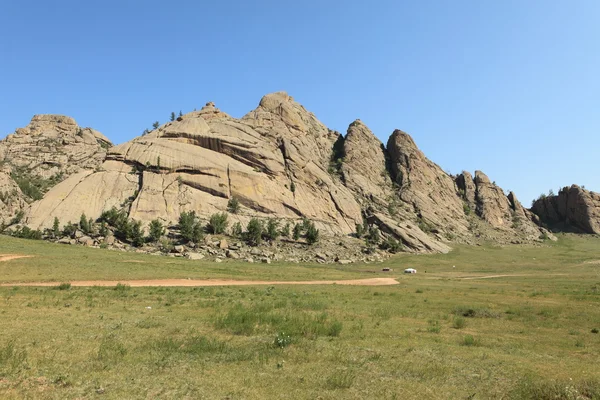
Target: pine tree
[
  {"x": 172, "y": 116},
  {"x": 56, "y": 228},
  {"x": 84, "y": 224},
  {"x": 312, "y": 234},
  {"x": 254, "y": 232},
  {"x": 272, "y": 229},
  {"x": 156, "y": 230},
  {"x": 285, "y": 231},
  {"x": 156, "y": 124},
  {"x": 137, "y": 235},
  {"x": 297, "y": 231},
  {"x": 233, "y": 205}
]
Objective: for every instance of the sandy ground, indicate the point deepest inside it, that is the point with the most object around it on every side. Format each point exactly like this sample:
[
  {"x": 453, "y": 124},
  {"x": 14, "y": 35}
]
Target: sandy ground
[
  {"x": 8, "y": 257},
  {"x": 213, "y": 282}
]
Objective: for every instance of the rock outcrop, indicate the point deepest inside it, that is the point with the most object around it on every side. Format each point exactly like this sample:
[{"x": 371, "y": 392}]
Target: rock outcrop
[
  {"x": 48, "y": 150},
  {"x": 53, "y": 145},
  {"x": 574, "y": 208},
  {"x": 425, "y": 187},
  {"x": 364, "y": 167},
  {"x": 279, "y": 161},
  {"x": 274, "y": 161}
]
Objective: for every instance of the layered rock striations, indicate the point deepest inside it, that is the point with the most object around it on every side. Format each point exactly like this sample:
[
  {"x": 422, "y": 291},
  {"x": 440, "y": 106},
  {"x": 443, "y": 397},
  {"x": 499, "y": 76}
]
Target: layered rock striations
[{"x": 280, "y": 162}]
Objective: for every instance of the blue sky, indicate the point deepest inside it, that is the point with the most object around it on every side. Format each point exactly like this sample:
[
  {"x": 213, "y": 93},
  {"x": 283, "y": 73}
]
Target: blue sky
[{"x": 508, "y": 87}]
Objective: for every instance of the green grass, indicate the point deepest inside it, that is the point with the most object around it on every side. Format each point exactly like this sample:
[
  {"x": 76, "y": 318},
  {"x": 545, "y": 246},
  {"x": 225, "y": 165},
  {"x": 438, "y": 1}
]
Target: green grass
[{"x": 525, "y": 336}]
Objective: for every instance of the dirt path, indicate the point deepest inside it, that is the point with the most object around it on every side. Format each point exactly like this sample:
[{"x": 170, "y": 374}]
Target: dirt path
[
  {"x": 8, "y": 257},
  {"x": 503, "y": 276},
  {"x": 213, "y": 282}
]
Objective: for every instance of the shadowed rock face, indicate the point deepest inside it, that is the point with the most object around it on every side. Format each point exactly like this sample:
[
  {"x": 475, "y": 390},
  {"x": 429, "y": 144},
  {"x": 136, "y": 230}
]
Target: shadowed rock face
[
  {"x": 573, "y": 208},
  {"x": 281, "y": 162}
]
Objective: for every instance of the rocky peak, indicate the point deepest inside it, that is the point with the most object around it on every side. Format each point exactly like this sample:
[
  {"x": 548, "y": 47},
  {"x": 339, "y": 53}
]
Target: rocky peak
[
  {"x": 428, "y": 190},
  {"x": 364, "y": 166},
  {"x": 573, "y": 208},
  {"x": 49, "y": 149}
]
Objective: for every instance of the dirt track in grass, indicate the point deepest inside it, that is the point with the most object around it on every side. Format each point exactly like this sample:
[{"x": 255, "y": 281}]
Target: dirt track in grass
[
  {"x": 8, "y": 257},
  {"x": 212, "y": 282}
]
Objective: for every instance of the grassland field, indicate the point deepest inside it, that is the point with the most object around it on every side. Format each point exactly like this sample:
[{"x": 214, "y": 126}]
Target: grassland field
[{"x": 485, "y": 322}]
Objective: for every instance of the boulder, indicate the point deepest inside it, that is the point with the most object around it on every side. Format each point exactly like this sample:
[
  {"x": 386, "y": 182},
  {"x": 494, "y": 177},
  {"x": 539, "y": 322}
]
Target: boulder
[
  {"x": 232, "y": 254},
  {"x": 86, "y": 241},
  {"x": 195, "y": 256}
]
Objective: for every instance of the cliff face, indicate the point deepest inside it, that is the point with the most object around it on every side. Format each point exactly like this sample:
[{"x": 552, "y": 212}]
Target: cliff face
[
  {"x": 574, "y": 208},
  {"x": 280, "y": 162}
]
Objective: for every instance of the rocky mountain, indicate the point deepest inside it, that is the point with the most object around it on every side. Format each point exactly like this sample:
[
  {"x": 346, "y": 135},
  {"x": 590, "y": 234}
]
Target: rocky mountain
[
  {"x": 279, "y": 161},
  {"x": 48, "y": 150},
  {"x": 574, "y": 208}
]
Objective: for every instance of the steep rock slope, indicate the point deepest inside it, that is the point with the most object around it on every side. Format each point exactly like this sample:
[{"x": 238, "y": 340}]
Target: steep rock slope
[
  {"x": 364, "y": 167},
  {"x": 573, "y": 208}
]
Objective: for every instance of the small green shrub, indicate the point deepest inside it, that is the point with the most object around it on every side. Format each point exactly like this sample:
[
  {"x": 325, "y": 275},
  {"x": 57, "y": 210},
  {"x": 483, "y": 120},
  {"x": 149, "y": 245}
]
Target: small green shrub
[
  {"x": 459, "y": 323},
  {"x": 272, "y": 231},
  {"x": 472, "y": 312},
  {"x": 63, "y": 286},
  {"x": 84, "y": 224},
  {"x": 233, "y": 205},
  {"x": 391, "y": 245},
  {"x": 26, "y": 233},
  {"x": 103, "y": 229},
  {"x": 236, "y": 230},
  {"x": 466, "y": 209},
  {"x": 56, "y": 228},
  {"x": 137, "y": 235},
  {"x": 17, "y": 218},
  {"x": 360, "y": 230},
  {"x": 282, "y": 340},
  {"x": 285, "y": 231},
  {"x": 434, "y": 326},
  {"x": 69, "y": 229},
  {"x": 218, "y": 223},
  {"x": 469, "y": 340},
  {"x": 254, "y": 232},
  {"x": 373, "y": 237},
  {"x": 166, "y": 245},
  {"x": 157, "y": 230},
  {"x": 297, "y": 232},
  {"x": 312, "y": 234}
]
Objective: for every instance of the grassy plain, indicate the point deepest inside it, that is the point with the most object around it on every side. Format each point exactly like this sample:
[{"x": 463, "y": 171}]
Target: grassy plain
[{"x": 444, "y": 333}]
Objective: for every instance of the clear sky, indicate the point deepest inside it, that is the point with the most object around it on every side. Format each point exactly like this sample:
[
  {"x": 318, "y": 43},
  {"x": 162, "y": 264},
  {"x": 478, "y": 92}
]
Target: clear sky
[{"x": 509, "y": 87}]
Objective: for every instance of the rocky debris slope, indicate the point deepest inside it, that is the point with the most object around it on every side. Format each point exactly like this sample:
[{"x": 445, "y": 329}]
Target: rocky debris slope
[
  {"x": 574, "y": 208},
  {"x": 280, "y": 162}
]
